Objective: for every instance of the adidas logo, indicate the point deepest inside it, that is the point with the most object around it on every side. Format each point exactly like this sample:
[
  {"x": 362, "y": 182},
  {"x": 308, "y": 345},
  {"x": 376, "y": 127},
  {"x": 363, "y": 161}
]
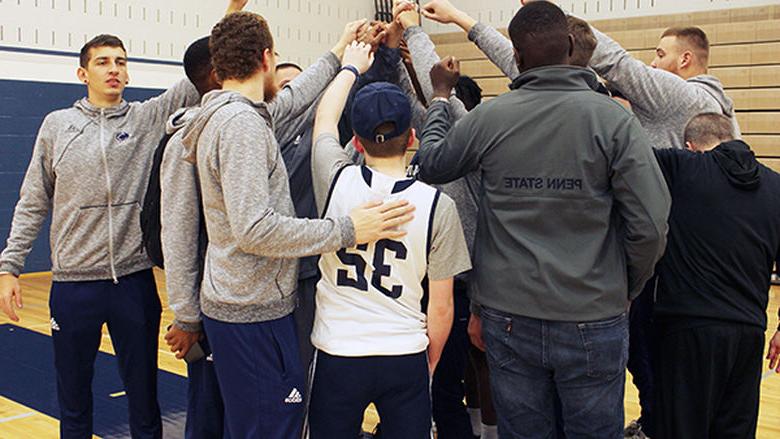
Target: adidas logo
[
  {"x": 294, "y": 397},
  {"x": 54, "y": 325}
]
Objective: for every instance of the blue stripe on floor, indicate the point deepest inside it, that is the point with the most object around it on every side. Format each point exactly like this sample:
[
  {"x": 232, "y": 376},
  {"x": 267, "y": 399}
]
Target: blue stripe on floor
[{"x": 28, "y": 378}]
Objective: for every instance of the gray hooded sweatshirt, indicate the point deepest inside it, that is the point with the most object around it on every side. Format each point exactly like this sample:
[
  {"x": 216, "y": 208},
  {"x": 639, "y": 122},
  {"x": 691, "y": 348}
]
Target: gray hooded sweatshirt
[
  {"x": 251, "y": 266},
  {"x": 90, "y": 167},
  {"x": 663, "y": 102},
  {"x": 180, "y": 197}
]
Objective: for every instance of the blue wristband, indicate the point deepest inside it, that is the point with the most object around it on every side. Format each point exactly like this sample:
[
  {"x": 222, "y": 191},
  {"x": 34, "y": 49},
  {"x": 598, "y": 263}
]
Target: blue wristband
[{"x": 351, "y": 68}]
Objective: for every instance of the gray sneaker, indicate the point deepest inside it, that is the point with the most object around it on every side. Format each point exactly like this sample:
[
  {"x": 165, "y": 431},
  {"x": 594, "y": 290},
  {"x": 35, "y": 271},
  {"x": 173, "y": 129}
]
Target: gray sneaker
[{"x": 634, "y": 431}]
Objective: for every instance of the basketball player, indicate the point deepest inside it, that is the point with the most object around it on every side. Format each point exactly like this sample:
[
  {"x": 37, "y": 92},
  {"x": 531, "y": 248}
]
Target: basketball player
[{"x": 374, "y": 342}]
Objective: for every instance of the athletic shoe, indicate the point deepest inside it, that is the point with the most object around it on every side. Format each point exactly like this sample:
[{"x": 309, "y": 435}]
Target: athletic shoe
[{"x": 634, "y": 431}]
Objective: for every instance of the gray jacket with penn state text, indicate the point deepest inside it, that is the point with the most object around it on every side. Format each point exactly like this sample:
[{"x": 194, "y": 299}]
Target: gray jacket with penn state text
[
  {"x": 90, "y": 167},
  {"x": 573, "y": 216}
]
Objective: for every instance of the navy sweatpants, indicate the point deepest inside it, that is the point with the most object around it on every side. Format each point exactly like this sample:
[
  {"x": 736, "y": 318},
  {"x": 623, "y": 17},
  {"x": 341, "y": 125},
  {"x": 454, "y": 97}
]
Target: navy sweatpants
[
  {"x": 205, "y": 409},
  {"x": 132, "y": 310},
  {"x": 261, "y": 377},
  {"x": 344, "y": 386}
]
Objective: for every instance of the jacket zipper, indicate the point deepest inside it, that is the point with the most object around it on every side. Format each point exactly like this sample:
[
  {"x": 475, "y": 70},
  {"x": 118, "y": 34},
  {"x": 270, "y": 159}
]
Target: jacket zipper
[{"x": 108, "y": 197}]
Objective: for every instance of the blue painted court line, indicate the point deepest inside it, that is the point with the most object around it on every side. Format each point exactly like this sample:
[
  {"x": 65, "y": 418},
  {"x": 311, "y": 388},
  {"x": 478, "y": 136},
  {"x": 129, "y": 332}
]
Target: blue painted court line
[{"x": 27, "y": 368}]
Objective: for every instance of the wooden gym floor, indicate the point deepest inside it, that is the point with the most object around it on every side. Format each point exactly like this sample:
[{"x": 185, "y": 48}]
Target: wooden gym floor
[{"x": 19, "y": 421}]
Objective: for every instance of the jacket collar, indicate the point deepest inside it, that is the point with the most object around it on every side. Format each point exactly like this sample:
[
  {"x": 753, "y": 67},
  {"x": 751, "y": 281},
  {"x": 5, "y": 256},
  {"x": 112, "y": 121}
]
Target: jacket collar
[
  {"x": 558, "y": 77},
  {"x": 90, "y": 110}
]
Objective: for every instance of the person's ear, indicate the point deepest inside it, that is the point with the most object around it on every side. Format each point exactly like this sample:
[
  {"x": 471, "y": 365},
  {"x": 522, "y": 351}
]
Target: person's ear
[
  {"x": 412, "y": 138},
  {"x": 82, "y": 74},
  {"x": 571, "y": 45},
  {"x": 214, "y": 79},
  {"x": 518, "y": 59},
  {"x": 686, "y": 59},
  {"x": 268, "y": 64},
  {"x": 690, "y": 146}
]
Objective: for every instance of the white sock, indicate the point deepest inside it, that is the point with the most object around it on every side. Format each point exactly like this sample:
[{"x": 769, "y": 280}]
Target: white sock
[
  {"x": 476, "y": 420},
  {"x": 489, "y": 432}
]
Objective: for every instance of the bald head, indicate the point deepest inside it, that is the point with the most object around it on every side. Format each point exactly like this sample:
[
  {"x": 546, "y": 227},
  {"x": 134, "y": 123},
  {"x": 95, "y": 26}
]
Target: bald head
[{"x": 708, "y": 130}]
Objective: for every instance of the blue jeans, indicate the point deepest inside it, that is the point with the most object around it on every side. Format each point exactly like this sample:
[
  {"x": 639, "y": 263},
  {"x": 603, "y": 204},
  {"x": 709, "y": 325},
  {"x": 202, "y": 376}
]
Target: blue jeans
[{"x": 531, "y": 359}]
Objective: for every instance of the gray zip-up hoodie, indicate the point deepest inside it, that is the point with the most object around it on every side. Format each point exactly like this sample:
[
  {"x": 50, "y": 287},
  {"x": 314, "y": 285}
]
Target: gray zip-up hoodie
[
  {"x": 251, "y": 265},
  {"x": 549, "y": 244},
  {"x": 663, "y": 102},
  {"x": 180, "y": 196},
  {"x": 90, "y": 166}
]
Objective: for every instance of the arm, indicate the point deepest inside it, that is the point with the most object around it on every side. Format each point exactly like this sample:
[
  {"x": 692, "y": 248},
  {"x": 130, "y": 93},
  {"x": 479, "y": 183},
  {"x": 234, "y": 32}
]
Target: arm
[
  {"x": 244, "y": 162},
  {"x": 642, "y": 200},
  {"x": 440, "y": 315},
  {"x": 447, "y": 154},
  {"x": 180, "y": 234},
  {"x": 328, "y": 157},
  {"x": 448, "y": 257},
  {"x": 299, "y": 95},
  {"x": 650, "y": 91},
  {"x": 35, "y": 202},
  {"x": 424, "y": 57},
  {"x": 180, "y": 229},
  {"x": 496, "y": 47}
]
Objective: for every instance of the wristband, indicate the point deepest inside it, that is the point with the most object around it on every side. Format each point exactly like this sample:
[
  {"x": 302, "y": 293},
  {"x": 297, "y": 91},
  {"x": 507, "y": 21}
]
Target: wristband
[{"x": 351, "y": 68}]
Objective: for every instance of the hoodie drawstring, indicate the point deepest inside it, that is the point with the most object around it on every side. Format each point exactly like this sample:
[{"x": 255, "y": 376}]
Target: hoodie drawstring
[{"x": 109, "y": 198}]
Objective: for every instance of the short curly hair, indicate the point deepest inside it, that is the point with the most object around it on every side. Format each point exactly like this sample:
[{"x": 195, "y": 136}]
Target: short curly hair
[{"x": 237, "y": 44}]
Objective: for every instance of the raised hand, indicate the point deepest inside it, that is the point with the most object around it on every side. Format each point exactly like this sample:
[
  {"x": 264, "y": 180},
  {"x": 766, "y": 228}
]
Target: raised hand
[
  {"x": 373, "y": 34},
  {"x": 444, "y": 76},
  {"x": 441, "y": 10},
  {"x": 405, "y": 14},
  {"x": 444, "y": 12},
  {"x": 350, "y": 34},
  {"x": 375, "y": 221},
  {"x": 10, "y": 295},
  {"x": 358, "y": 55}
]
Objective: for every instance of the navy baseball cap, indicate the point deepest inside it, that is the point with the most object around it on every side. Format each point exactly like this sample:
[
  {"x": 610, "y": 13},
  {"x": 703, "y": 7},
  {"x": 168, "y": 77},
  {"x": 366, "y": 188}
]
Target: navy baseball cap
[{"x": 379, "y": 103}]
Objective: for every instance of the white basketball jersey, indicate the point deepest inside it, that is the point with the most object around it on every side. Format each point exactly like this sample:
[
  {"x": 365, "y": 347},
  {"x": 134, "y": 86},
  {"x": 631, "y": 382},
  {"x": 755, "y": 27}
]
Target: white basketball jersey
[{"x": 369, "y": 299}]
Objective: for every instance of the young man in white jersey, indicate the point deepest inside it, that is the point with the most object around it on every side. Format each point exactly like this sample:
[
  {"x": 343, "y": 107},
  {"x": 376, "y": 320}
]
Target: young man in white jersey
[{"x": 374, "y": 341}]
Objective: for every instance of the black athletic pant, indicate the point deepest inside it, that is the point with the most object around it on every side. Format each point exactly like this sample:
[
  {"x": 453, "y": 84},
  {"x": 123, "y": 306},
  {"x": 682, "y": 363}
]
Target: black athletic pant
[
  {"x": 708, "y": 377},
  {"x": 640, "y": 358},
  {"x": 447, "y": 390}
]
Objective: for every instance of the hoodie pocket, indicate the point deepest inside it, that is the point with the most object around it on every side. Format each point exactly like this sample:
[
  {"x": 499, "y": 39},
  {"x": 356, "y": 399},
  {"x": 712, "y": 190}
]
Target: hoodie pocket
[{"x": 84, "y": 244}]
